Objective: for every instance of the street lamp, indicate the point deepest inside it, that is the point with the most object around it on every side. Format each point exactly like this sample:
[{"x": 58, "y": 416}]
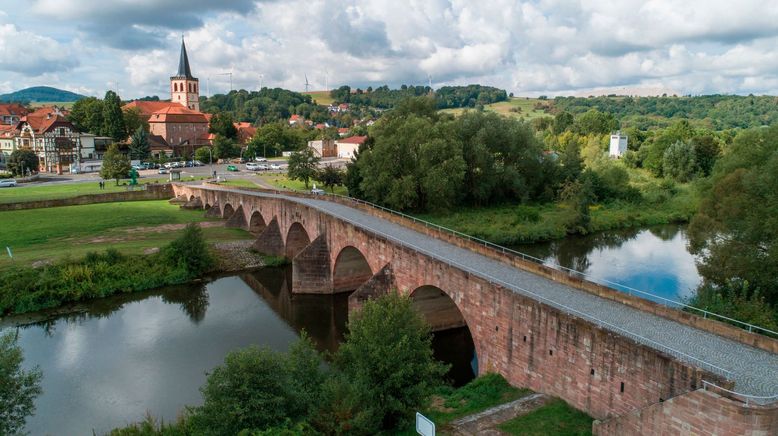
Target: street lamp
[{"x": 210, "y": 161}]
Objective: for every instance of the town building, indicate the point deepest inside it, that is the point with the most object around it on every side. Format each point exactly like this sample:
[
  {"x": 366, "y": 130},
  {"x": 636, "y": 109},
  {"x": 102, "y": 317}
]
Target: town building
[
  {"x": 618, "y": 145},
  {"x": 246, "y": 131},
  {"x": 52, "y": 137},
  {"x": 347, "y": 148},
  {"x": 11, "y": 113},
  {"x": 184, "y": 130},
  {"x": 185, "y": 88},
  {"x": 324, "y": 147}
]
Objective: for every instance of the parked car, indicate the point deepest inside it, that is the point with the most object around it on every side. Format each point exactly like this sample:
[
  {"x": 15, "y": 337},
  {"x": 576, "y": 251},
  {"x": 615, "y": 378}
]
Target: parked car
[
  {"x": 251, "y": 166},
  {"x": 168, "y": 165},
  {"x": 198, "y": 163},
  {"x": 317, "y": 191},
  {"x": 232, "y": 168},
  {"x": 260, "y": 159},
  {"x": 275, "y": 166},
  {"x": 163, "y": 170},
  {"x": 189, "y": 164},
  {"x": 138, "y": 167},
  {"x": 7, "y": 183}
]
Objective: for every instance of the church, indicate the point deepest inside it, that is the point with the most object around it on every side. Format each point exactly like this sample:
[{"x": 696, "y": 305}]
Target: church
[{"x": 176, "y": 127}]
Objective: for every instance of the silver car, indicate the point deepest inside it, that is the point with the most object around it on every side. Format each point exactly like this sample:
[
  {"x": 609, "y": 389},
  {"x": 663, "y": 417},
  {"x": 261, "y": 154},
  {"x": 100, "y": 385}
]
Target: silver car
[{"x": 7, "y": 183}]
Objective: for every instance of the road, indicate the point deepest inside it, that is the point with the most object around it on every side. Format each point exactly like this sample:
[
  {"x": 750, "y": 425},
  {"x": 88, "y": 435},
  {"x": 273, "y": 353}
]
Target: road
[{"x": 754, "y": 371}]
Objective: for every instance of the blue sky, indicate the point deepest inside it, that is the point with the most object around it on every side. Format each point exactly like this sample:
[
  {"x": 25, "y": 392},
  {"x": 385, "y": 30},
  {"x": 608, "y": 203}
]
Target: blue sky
[{"x": 553, "y": 47}]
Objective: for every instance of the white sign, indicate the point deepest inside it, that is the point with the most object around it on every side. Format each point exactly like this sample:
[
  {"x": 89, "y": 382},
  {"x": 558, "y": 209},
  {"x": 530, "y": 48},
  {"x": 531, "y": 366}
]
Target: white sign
[{"x": 424, "y": 426}]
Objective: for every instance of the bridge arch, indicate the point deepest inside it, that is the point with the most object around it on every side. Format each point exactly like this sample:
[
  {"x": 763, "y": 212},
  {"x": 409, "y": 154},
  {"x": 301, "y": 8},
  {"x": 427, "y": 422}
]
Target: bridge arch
[
  {"x": 296, "y": 240},
  {"x": 227, "y": 210},
  {"x": 452, "y": 339},
  {"x": 256, "y": 223},
  {"x": 350, "y": 270}
]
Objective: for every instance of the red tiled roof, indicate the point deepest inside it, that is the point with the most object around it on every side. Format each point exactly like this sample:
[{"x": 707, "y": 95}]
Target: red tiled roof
[
  {"x": 295, "y": 117},
  {"x": 42, "y": 119},
  {"x": 177, "y": 114},
  {"x": 147, "y": 108},
  {"x": 343, "y": 130},
  {"x": 12, "y": 109},
  {"x": 353, "y": 140},
  {"x": 7, "y": 130},
  {"x": 320, "y": 126}
]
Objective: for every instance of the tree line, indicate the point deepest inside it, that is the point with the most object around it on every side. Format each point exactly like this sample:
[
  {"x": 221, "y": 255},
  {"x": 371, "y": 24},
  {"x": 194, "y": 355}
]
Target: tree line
[{"x": 446, "y": 97}]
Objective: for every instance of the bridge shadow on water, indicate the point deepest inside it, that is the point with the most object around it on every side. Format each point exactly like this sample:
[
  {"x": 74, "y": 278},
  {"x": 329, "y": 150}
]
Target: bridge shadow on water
[{"x": 324, "y": 317}]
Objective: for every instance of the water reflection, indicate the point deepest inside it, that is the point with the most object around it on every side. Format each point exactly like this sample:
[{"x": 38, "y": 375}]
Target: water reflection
[{"x": 654, "y": 260}]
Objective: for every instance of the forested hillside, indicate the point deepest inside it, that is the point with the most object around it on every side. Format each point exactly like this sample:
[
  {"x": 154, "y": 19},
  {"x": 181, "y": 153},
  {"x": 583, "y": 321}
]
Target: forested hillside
[{"x": 717, "y": 112}]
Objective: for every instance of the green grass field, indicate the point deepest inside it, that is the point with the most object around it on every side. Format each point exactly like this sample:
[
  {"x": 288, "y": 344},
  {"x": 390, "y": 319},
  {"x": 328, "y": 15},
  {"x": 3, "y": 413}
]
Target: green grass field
[
  {"x": 281, "y": 181},
  {"x": 321, "y": 97},
  {"x": 517, "y": 107},
  {"x": 33, "y": 191},
  {"x": 555, "y": 418},
  {"x": 62, "y": 104},
  {"x": 241, "y": 183},
  {"x": 131, "y": 227}
]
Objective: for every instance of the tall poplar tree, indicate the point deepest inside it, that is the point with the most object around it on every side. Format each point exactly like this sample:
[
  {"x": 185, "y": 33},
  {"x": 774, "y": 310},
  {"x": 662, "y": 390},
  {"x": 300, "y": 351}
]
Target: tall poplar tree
[{"x": 113, "y": 117}]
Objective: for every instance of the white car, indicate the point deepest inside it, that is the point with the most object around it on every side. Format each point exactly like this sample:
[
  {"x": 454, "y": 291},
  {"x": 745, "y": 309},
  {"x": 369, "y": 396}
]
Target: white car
[
  {"x": 317, "y": 191},
  {"x": 260, "y": 159},
  {"x": 275, "y": 166},
  {"x": 7, "y": 183},
  {"x": 251, "y": 166}
]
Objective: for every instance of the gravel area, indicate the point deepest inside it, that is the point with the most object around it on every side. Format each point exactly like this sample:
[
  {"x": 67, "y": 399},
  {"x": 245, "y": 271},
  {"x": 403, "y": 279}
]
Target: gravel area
[
  {"x": 237, "y": 255},
  {"x": 754, "y": 371}
]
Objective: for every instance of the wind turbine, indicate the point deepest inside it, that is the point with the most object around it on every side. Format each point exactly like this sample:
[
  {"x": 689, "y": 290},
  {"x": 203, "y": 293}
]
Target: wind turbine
[
  {"x": 429, "y": 81},
  {"x": 307, "y": 85},
  {"x": 326, "y": 80},
  {"x": 261, "y": 76}
]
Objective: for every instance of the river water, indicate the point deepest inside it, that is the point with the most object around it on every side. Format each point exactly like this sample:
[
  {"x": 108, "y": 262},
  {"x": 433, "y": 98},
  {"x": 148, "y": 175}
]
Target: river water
[{"x": 111, "y": 361}]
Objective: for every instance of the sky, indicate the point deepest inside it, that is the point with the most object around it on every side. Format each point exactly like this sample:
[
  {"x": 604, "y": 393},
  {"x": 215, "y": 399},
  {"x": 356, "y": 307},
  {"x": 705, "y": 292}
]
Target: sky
[{"x": 530, "y": 48}]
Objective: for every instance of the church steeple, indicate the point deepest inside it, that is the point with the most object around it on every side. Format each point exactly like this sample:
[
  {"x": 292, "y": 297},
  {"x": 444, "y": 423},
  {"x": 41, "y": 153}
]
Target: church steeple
[
  {"x": 183, "y": 63},
  {"x": 185, "y": 88}
]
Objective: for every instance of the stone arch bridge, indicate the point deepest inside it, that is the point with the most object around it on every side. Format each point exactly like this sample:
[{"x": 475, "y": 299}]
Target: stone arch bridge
[{"x": 636, "y": 366}]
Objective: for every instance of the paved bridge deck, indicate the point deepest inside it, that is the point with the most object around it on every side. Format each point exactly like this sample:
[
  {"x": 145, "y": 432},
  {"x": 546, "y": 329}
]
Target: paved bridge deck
[{"x": 754, "y": 371}]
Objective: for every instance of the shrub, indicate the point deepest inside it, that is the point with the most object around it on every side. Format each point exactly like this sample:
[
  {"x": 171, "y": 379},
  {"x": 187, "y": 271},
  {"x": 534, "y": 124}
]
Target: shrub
[
  {"x": 190, "y": 251},
  {"x": 388, "y": 353},
  {"x": 18, "y": 387}
]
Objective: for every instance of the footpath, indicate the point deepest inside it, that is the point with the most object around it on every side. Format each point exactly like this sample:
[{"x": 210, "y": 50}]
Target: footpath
[{"x": 486, "y": 422}]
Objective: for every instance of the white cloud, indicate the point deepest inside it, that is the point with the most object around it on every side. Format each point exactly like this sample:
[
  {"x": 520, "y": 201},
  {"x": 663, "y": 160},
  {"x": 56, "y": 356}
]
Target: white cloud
[
  {"x": 31, "y": 54},
  {"x": 529, "y": 47}
]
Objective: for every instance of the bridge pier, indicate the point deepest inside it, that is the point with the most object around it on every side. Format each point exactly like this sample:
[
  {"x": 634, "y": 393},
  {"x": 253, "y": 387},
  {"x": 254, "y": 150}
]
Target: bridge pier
[
  {"x": 194, "y": 204},
  {"x": 378, "y": 285},
  {"x": 214, "y": 211},
  {"x": 311, "y": 268},
  {"x": 270, "y": 241},
  {"x": 237, "y": 220}
]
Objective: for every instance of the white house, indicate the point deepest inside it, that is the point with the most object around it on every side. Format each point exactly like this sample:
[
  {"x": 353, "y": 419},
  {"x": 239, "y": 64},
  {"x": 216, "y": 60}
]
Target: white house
[
  {"x": 618, "y": 145},
  {"x": 347, "y": 147}
]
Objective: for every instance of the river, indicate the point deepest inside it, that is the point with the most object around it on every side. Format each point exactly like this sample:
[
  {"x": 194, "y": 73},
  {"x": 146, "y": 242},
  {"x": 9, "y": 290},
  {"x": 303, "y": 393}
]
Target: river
[{"x": 111, "y": 361}]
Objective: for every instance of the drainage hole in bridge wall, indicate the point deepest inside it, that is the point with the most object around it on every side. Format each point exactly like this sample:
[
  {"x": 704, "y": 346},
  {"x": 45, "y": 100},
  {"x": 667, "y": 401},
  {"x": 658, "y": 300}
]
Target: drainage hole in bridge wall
[
  {"x": 550, "y": 352},
  {"x": 592, "y": 372},
  {"x": 496, "y": 328},
  {"x": 622, "y": 387},
  {"x": 525, "y": 339}
]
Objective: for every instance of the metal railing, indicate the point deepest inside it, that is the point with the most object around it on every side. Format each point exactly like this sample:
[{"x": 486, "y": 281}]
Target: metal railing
[
  {"x": 747, "y": 399},
  {"x": 710, "y": 367}
]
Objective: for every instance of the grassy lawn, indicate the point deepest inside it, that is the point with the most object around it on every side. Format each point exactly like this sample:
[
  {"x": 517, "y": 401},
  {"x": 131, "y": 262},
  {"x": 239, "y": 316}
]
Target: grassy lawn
[
  {"x": 32, "y": 192},
  {"x": 321, "y": 97},
  {"x": 480, "y": 394},
  {"x": 555, "y": 418},
  {"x": 281, "y": 181},
  {"x": 131, "y": 227}
]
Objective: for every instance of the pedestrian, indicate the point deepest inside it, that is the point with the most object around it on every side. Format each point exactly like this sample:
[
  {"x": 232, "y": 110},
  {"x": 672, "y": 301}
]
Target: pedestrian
[{"x": 100, "y": 184}]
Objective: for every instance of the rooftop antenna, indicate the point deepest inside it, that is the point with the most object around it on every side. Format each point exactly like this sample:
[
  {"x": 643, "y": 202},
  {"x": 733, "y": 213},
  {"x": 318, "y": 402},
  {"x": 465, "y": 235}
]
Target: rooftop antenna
[{"x": 307, "y": 85}]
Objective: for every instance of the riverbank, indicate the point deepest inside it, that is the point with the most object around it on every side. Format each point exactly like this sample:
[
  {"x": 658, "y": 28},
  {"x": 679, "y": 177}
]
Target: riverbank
[{"x": 522, "y": 224}]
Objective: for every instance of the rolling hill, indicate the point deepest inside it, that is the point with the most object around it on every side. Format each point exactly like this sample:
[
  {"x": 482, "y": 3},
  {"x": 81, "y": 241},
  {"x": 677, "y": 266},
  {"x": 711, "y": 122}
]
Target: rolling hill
[{"x": 41, "y": 94}]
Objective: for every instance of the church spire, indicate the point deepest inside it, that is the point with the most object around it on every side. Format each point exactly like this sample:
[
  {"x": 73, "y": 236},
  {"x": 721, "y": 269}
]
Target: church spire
[{"x": 183, "y": 63}]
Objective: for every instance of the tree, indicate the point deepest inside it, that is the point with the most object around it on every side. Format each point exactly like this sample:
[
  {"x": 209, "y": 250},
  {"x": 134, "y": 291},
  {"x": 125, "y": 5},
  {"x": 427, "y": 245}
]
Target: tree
[
  {"x": 257, "y": 389},
  {"x": 735, "y": 229},
  {"x": 679, "y": 162},
  {"x": 87, "y": 115},
  {"x": 204, "y": 155},
  {"x": 18, "y": 387},
  {"x": 303, "y": 165},
  {"x": 706, "y": 151},
  {"x": 133, "y": 120},
  {"x": 115, "y": 164},
  {"x": 22, "y": 160},
  {"x": 562, "y": 121},
  {"x": 595, "y": 122},
  {"x": 330, "y": 177},
  {"x": 113, "y": 117},
  {"x": 223, "y": 124},
  {"x": 579, "y": 194},
  {"x": 139, "y": 144},
  {"x": 224, "y": 148},
  {"x": 388, "y": 354}
]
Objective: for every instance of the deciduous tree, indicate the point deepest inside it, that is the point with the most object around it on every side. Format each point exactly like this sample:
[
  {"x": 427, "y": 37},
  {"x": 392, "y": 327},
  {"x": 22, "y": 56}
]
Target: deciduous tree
[
  {"x": 115, "y": 164},
  {"x": 303, "y": 165},
  {"x": 113, "y": 117},
  {"x": 18, "y": 387},
  {"x": 139, "y": 144},
  {"x": 22, "y": 161}
]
